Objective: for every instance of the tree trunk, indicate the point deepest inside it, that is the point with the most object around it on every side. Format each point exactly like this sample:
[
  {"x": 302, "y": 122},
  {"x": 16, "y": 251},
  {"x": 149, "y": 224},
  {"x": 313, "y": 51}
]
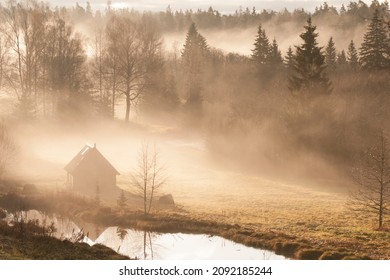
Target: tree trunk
[
  {"x": 382, "y": 189},
  {"x": 128, "y": 103},
  {"x": 113, "y": 92}
]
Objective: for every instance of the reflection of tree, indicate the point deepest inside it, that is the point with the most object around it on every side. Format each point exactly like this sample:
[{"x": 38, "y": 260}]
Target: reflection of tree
[
  {"x": 121, "y": 232},
  {"x": 148, "y": 237},
  {"x": 144, "y": 245}
]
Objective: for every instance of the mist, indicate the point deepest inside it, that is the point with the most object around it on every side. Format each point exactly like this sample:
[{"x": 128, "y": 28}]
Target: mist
[{"x": 231, "y": 117}]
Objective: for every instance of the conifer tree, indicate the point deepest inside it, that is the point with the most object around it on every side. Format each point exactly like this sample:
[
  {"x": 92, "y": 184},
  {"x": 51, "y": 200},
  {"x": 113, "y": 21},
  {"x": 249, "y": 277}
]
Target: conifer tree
[
  {"x": 289, "y": 60},
  {"x": 342, "y": 63},
  {"x": 330, "y": 55},
  {"x": 309, "y": 74},
  {"x": 341, "y": 58},
  {"x": 375, "y": 49},
  {"x": 262, "y": 49},
  {"x": 194, "y": 57},
  {"x": 122, "y": 200},
  {"x": 352, "y": 56},
  {"x": 275, "y": 59}
]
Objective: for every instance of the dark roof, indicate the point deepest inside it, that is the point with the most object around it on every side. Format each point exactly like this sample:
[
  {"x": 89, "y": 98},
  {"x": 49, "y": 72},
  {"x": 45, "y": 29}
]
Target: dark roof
[{"x": 86, "y": 152}]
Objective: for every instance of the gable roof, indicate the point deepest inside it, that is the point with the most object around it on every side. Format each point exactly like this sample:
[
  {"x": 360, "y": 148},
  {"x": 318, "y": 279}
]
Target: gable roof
[{"x": 86, "y": 152}]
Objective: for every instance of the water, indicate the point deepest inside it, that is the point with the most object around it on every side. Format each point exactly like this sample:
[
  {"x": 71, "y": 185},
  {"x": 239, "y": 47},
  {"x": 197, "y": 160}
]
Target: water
[
  {"x": 152, "y": 245},
  {"x": 178, "y": 246}
]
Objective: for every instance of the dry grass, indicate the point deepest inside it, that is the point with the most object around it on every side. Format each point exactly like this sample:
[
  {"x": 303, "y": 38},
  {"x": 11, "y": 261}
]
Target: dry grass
[
  {"x": 290, "y": 219},
  {"x": 320, "y": 217}
]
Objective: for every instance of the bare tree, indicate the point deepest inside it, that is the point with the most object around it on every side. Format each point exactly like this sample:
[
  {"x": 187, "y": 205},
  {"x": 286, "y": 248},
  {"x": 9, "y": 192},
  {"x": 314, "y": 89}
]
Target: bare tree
[
  {"x": 24, "y": 29},
  {"x": 4, "y": 59},
  {"x": 372, "y": 174},
  {"x": 149, "y": 176},
  {"x": 98, "y": 71},
  {"x": 132, "y": 51},
  {"x": 7, "y": 149}
]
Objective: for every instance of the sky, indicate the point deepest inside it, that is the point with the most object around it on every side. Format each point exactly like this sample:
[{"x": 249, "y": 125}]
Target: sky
[{"x": 224, "y": 6}]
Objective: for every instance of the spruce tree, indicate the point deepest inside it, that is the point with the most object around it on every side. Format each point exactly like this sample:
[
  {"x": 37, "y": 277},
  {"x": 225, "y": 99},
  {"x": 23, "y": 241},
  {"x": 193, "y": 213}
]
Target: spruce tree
[
  {"x": 289, "y": 60},
  {"x": 194, "y": 57},
  {"x": 341, "y": 59},
  {"x": 375, "y": 49},
  {"x": 342, "y": 63},
  {"x": 352, "y": 56},
  {"x": 122, "y": 200},
  {"x": 330, "y": 55},
  {"x": 262, "y": 49},
  {"x": 275, "y": 58},
  {"x": 309, "y": 71}
]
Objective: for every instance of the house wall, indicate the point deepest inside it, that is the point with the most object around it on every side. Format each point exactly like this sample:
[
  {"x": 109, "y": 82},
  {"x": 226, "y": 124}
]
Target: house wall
[
  {"x": 93, "y": 173},
  {"x": 88, "y": 183}
]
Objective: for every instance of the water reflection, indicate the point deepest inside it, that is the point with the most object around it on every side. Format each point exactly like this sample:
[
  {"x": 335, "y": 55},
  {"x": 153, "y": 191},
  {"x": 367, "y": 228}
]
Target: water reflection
[
  {"x": 64, "y": 228},
  {"x": 150, "y": 245},
  {"x": 178, "y": 246}
]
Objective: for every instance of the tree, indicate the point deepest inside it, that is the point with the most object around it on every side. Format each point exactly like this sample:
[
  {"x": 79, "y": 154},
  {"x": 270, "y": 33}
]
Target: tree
[
  {"x": 262, "y": 50},
  {"x": 24, "y": 28},
  {"x": 352, "y": 56},
  {"x": 372, "y": 174},
  {"x": 160, "y": 95},
  {"x": 289, "y": 60},
  {"x": 132, "y": 48},
  {"x": 4, "y": 59},
  {"x": 7, "y": 149},
  {"x": 194, "y": 57},
  {"x": 309, "y": 72},
  {"x": 45, "y": 57},
  {"x": 375, "y": 49},
  {"x": 99, "y": 72},
  {"x": 149, "y": 176},
  {"x": 122, "y": 200},
  {"x": 330, "y": 55},
  {"x": 275, "y": 58},
  {"x": 64, "y": 63},
  {"x": 97, "y": 195},
  {"x": 341, "y": 62}
]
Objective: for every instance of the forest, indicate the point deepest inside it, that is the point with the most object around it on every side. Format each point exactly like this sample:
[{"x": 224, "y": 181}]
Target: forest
[{"x": 76, "y": 64}]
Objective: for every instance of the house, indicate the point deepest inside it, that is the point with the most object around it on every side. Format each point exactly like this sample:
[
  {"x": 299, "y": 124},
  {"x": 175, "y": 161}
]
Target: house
[{"x": 90, "y": 173}]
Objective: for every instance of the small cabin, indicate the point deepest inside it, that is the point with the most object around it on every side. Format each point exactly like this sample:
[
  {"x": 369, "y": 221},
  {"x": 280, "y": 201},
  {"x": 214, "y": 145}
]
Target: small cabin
[{"x": 90, "y": 173}]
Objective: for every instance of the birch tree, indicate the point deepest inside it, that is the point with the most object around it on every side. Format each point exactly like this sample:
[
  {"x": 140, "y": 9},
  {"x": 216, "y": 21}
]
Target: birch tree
[
  {"x": 149, "y": 176},
  {"x": 372, "y": 175}
]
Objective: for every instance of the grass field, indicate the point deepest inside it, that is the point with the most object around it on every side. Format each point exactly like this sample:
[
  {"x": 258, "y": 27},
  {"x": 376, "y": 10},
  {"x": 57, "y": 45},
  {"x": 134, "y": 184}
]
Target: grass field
[
  {"x": 204, "y": 190},
  {"x": 323, "y": 218}
]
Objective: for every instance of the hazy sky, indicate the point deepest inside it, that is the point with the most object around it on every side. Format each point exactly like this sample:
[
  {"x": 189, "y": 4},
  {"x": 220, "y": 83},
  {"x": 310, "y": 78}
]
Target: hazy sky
[{"x": 223, "y": 6}]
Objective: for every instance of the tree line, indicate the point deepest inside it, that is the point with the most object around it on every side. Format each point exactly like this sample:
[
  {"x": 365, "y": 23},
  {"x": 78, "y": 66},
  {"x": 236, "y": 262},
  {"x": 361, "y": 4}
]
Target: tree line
[{"x": 345, "y": 17}]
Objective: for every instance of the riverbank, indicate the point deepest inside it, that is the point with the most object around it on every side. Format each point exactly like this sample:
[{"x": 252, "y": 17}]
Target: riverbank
[
  {"x": 281, "y": 243},
  {"x": 17, "y": 245},
  {"x": 287, "y": 243}
]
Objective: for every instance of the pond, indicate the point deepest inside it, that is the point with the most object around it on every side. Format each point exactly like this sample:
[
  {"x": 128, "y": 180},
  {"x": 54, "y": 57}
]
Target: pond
[
  {"x": 178, "y": 246},
  {"x": 156, "y": 246}
]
